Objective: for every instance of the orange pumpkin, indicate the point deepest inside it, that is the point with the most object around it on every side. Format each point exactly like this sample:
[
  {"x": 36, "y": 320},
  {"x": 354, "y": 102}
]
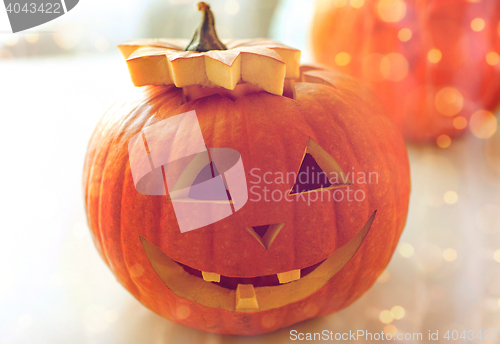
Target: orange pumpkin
[
  {"x": 432, "y": 63},
  {"x": 297, "y": 248}
]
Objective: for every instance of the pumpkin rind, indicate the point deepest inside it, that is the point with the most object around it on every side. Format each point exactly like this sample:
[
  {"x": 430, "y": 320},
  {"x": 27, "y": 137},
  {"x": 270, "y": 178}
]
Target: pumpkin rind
[{"x": 271, "y": 133}]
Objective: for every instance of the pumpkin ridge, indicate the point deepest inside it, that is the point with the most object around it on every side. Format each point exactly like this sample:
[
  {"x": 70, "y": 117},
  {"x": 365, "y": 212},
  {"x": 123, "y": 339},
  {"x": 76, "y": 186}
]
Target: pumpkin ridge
[
  {"x": 117, "y": 249},
  {"x": 99, "y": 160},
  {"x": 136, "y": 290},
  {"x": 87, "y": 172},
  {"x": 117, "y": 145}
]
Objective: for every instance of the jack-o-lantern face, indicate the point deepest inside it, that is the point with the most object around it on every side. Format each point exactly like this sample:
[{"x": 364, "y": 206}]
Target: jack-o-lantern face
[
  {"x": 295, "y": 249},
  {"x": 318, "y": 172}
]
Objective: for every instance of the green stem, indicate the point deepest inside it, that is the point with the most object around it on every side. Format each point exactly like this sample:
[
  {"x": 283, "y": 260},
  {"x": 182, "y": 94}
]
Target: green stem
[{"x": 205, "y": 38}]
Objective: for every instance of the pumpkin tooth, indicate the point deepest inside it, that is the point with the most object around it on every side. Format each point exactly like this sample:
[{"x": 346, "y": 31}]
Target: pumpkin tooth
[
  {"x": 210, "y": 276},
  {"x": 246, "y": 299},
  {"x": 289, "y": 276}
]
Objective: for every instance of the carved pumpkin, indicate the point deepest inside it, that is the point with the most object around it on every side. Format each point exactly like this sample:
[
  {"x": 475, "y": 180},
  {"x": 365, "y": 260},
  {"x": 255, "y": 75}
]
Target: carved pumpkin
[
  {"x": 432, "y": 63},
  {"x": 298, "y": 248}
]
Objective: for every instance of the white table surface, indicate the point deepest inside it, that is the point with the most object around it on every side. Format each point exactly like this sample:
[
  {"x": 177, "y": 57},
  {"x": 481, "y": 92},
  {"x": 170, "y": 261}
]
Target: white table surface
[{"x": 54, "y": 287}]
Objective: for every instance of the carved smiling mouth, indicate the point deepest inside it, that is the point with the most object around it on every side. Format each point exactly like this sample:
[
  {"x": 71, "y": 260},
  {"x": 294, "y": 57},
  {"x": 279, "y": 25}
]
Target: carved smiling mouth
[
  {"x": 259, "y": 281},
  {"x": 250, "y": 294}
]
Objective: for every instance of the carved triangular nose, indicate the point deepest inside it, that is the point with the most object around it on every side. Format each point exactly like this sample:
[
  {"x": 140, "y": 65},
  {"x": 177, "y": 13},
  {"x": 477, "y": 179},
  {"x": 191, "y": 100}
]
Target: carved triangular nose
[
  {"x": 265, "y": 234},
  {"x": 261, "y": 230}
]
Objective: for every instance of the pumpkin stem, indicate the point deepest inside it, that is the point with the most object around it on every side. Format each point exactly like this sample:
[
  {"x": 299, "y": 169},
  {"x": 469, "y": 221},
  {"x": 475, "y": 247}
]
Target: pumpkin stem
[{"x": 205, "y": 38}]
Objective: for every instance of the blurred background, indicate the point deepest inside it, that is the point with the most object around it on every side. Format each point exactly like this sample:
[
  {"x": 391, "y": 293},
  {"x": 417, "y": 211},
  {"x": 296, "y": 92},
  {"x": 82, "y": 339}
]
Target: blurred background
[
  {"x": 98, "y": 27},
  {"x": 57, "y": 79}
]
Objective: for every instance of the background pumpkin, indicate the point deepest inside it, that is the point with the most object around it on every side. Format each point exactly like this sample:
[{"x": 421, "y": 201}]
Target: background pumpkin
[
  {"x": 271, "y": 132},
  {"x": 432, "y": 63}
]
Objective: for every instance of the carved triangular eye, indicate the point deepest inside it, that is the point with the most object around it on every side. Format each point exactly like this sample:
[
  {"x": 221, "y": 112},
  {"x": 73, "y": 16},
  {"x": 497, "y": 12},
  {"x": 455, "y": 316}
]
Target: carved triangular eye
[
  {"x": 212, "y": 192},
  {"x": 318, "y": 171}
]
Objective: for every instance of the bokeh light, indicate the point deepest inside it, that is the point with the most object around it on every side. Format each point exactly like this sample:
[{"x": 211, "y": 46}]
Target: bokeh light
[
  {"x": 449, "y": 255},
  {"x": 390, "y": 328},
  {"x": 386, "y": 317},
  {"x": 450, "y": 197},
  {"x": 398, "y": 312},
  {"x": 406, "y": 250},
  {"x": 483, "y": 124},
  {"x": 32, "y": 38},
  {"x": 357, "y": 3},
  {"x": 391, "y": 11},
  {"x": 68, "y": 36},
  {"x": 460, "y": 122},
  {"x": 339, "y": 3},
  {"x": 342, "y": 58},
  {"x": 434, "y": 55},
  {"x": 231, "y": 7},
  {"x": 477, "y": 24},
  {"x": 11, "y": 41},
  {"x": 443, "y": 141},
  {"x": 492, "y": 58},
  {"x": 5, "y": 54},
  {"x": 496, "y": 255},
  {"x": 449, "y": 101},
  {"x": 404, "y": 34}
]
